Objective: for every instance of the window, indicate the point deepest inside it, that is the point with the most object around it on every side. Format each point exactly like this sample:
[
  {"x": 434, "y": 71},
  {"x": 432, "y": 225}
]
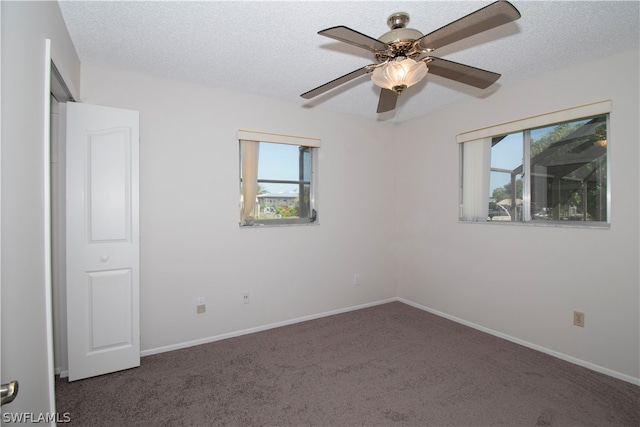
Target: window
[
  {"x": 556, "y": 172},
  {"x": 277, "y": 179}
]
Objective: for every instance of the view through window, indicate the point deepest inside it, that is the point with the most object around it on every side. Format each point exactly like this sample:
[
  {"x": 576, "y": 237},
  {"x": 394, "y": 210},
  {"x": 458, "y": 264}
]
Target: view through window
[
  {"x": 556, "y": 172},
  {"x": 283, "y": 184}
]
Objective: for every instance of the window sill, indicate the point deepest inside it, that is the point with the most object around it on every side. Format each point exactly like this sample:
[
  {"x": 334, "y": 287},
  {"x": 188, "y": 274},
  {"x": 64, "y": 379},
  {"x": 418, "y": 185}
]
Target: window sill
[
  {"x": 279, "y": 223},
  {"x": 552, "y": 224}
]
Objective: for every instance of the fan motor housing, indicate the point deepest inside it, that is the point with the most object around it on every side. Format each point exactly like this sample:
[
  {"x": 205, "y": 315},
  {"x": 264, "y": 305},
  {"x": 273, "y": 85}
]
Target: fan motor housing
[
  {"x": 399, "y": 31},
  {"x": 400, "y": 39},
  {"x": 400, "y": 35}
]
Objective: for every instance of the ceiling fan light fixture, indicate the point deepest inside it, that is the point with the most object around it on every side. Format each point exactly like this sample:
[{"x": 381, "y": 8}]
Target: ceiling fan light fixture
[
  {"x": 399, "y": 74},
  {"x": 396, "y": 52}
]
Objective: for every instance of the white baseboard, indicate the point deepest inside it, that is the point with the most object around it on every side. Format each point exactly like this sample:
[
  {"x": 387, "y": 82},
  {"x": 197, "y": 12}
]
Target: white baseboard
[
  {"x": 553, "y": 353},
  {"x": 214, "y": 338}
]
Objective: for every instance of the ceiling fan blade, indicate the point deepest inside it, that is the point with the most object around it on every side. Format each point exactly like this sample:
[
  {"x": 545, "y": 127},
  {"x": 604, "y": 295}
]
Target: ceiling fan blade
[
  {"x": 491, "y": 16},
  {"x": 462, "y": 73},
  {"x": 353, "y": 37},
  {"x": 388, "y": 100},
  {"x": 336, "y": 82}
]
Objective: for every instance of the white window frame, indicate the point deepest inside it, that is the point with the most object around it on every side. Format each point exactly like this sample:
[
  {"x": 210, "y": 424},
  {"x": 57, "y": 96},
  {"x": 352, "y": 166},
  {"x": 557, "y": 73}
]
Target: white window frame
[
  {"x": 313, "y": 144},
  {"x": 524, "y": 125}
]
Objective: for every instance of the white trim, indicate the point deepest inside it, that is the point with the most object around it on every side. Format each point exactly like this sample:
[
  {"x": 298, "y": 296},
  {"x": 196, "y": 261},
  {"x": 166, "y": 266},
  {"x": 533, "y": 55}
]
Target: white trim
[
  {"x": 248, "y": 135},
  {"x": 565, "y": 115},
  {"x": 261, "y": 328},
  {"x": 550, "y": 352},
  {"x": 47, "y": 224},
  {"x": 1, "y": 149}
]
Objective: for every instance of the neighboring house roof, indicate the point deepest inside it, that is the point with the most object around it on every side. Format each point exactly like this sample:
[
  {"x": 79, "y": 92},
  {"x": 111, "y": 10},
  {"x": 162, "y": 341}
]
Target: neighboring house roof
[{"x": 285, "y": 195}]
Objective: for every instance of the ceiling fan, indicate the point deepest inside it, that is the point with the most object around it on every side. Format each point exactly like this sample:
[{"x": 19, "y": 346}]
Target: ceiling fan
[{"x": 403, "y": 55}]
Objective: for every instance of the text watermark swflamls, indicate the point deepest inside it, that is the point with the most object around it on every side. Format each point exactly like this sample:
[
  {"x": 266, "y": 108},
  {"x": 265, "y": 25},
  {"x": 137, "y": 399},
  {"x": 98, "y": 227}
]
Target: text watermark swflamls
[{"x": 33, "y": 418}]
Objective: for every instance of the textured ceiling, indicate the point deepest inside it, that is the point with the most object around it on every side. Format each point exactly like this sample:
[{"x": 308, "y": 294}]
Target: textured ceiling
[{"x": 272, "y": 48}]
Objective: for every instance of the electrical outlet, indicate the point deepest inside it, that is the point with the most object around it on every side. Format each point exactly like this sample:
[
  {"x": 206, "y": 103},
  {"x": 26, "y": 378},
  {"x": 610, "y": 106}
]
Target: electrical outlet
[
  {"x": 356, "y": 279},
  {"x": 578, "y": 318},
  {"x": 245, "y": 297},
  {"x": 201, "y": 306}
]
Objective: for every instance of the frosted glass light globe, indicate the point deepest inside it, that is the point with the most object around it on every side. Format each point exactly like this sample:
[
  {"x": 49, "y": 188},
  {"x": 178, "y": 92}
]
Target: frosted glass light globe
[{"x": 399, "y": 74}]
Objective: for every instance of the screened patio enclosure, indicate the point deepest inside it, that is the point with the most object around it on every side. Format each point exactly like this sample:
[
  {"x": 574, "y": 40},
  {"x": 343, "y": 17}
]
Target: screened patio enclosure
[{"x": 568, "y": 173}]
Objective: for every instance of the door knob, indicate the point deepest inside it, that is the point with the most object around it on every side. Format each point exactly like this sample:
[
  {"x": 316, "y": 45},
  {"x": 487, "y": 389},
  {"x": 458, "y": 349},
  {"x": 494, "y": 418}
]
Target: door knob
[
  {"x": 8, "y": 392},
  {"x": 104, "y": 258}
]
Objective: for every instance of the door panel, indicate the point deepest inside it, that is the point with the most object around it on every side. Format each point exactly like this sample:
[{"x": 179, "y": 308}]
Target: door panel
[
  {"x": 102, "y": 240},
  {"x": 110, "y": 309},
  {"x": 109, "y": 185}
]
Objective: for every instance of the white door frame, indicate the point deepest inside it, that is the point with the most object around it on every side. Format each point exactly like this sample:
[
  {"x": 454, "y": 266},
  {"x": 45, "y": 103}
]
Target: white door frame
[
  {"x": 62, "y": 94},
  {"x": 47, "y": 226},
  {"x": 41, "y": 246}
]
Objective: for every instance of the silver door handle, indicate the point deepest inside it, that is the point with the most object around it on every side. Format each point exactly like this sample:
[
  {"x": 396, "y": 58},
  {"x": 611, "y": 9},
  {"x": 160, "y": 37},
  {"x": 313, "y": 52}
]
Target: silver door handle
[{"x": 8, "y": 392}]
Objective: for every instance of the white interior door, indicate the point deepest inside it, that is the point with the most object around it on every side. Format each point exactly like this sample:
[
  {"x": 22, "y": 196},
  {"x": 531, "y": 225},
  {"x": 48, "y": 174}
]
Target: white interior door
[{"x": 102, "y": 241}]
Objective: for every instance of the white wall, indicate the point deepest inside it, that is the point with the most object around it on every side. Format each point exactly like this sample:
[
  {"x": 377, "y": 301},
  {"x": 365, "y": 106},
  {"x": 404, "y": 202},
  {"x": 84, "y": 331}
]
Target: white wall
[
  {"x": 25, "y": 26},
  {"x": 191, "y": 244},
  {"x": 525, "y": 281},
  {"x": 521, "y": 282}
]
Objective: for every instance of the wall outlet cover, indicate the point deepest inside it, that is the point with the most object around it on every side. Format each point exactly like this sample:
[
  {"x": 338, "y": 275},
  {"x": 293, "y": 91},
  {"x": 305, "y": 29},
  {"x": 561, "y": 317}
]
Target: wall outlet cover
[{"x": 578, "y": 318}]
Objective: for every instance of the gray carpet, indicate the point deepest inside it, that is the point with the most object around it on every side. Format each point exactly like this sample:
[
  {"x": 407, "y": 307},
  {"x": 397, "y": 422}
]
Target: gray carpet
[{"x": 389, "y": 365}]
